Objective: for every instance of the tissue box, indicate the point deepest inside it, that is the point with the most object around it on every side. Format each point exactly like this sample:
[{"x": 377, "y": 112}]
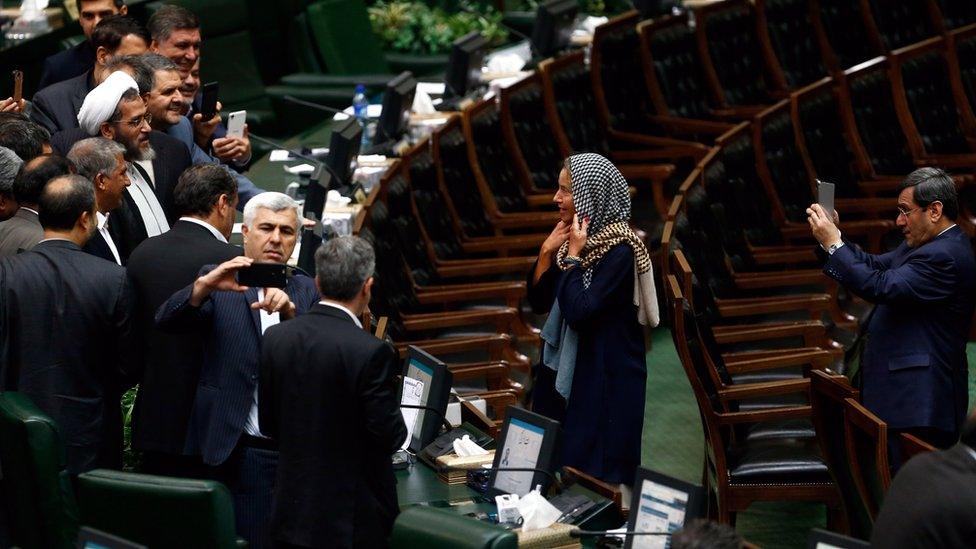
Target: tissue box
[
  {"x": 554, "y": 537},
  {"x": 460, "y": 466}
]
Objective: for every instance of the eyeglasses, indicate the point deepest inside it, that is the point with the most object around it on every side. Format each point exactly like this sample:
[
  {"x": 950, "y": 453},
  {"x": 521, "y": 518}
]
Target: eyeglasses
[
  {"x": 906, "y": 213},
  {"x": 137, "y": 122}
]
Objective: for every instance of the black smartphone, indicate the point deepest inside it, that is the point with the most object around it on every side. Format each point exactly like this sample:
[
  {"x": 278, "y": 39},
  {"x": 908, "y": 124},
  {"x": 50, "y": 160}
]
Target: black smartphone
[
  {"x": 263, "y": 275},
  {"x": 208, "y": 104}
]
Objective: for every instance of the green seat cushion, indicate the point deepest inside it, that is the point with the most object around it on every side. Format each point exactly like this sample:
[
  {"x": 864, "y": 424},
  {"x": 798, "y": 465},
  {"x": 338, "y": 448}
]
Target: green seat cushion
[{"x": 433, "y": 528}]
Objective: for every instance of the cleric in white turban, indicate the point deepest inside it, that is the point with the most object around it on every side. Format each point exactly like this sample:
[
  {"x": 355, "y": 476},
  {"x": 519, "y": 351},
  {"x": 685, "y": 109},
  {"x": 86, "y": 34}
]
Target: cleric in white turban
[{"x": 102, "y": 102}]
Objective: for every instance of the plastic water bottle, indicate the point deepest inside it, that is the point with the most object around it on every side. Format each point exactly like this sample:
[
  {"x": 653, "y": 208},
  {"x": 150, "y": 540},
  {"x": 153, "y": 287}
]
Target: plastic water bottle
[{"x": 359, "y": 107}]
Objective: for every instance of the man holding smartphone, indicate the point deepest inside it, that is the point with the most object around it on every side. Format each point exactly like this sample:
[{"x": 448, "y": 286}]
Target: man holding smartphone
[
  {"x": 913, "y": 369},
  {"x": 223, "y": 427}
]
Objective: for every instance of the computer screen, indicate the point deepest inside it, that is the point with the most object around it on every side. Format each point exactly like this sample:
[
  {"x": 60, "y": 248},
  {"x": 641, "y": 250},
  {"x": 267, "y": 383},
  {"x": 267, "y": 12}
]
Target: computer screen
[
  {"x": 397, "y": 101},
  {"x": 553, "y": 29},
  {"x": 343, "y": 150},
  {"x": 464, "y": 66},
  {"x": 426, "y": 382},
  {"x": 90, "y": 538},
  {"x": 661, "y": 504},
  {"x": 527, "y": 441}
]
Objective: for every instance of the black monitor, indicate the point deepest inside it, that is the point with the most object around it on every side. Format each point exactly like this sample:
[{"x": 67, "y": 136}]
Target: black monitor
[
  {"x": 426, "y": 382},
  {"x": 553, "y": 29},
  {"x": 528, "y": 441},
  {"x": 90, "y": 538},
  {"x": 464, "y": 66},
  {"x": 661, "y": 504},
  {"x": 344, "y": 146},
  {"x": 397, "y": 102},
  {"x": 822, "y": 539}
]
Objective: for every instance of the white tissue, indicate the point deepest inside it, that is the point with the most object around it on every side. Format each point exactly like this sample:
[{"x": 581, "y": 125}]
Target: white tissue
[
  {"x": 506, "y": 64},
  {"x": 591, "y": 23},
  {"x": 422, "y": 103},
  {"x": 334, "y": 199},
  {"x": 537, "y": 513},
  {"x": 465, "y": 447}
]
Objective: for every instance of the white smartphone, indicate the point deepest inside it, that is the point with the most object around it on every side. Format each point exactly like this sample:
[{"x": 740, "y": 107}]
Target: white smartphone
[
  {"x": 235, "y": 123},
  {"x": 825, "y": 196}
]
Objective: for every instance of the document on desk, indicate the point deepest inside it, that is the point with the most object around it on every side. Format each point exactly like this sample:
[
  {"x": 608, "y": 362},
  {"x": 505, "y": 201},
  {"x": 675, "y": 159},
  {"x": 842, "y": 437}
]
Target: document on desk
[{"x": 413, "y": 390}]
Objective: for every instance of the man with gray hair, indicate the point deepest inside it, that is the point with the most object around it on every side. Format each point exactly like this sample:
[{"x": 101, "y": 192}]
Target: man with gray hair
[
  {"x": 102, "y": 162},
  {"x": 327, "y": 394},
  {"x": 10, "y": 164},
  {"x": 223, "y": 428},
  {"x": 913, "y": 368},
  {"x": 22, "y": 231}
]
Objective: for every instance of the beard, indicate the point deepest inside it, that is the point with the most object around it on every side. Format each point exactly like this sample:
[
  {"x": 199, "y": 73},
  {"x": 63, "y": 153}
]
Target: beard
[{"x": 134, "y": 153}]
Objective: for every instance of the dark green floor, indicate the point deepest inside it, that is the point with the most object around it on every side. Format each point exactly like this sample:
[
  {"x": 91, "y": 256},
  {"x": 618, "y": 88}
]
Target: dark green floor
[{"x": 673, "y": 444}]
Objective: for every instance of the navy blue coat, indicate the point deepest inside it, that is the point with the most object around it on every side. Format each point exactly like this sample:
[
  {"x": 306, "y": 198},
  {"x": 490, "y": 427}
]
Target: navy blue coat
[
  {"x": 232, "y": 352},
  {"x": 914, "y": 367},
  {"x": 604, "y": 418}
]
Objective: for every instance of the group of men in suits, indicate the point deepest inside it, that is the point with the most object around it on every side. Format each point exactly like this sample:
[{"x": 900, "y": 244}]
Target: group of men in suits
[{"x": 115, "y": 270}]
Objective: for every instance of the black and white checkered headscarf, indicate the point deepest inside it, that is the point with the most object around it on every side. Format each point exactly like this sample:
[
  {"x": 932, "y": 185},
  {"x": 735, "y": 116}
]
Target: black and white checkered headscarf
[{"x": 601, "y": 194}]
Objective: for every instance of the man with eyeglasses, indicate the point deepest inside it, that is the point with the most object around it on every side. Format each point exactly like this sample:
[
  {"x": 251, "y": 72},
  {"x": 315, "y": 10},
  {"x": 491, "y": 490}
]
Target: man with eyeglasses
[
  {"x": 913, "y": 369},
  {"x": 115, "y": 110}
]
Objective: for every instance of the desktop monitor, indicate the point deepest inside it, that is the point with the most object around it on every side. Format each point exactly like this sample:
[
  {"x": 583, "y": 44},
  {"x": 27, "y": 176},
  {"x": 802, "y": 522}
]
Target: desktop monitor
[
  {"x": 553, "y": 29},
  {"x": 90, "y": 538},
  {"x": 661, "y": 504},
  {"x": 397, "y": 102},
  {"x": 464, "y": 66},
  {"x": 822, "y": 539},
  {"x": 426, "y": 382},
  {"x": 527, "y": 441},
  {"x": 343, "y": 149},
  {"x": 648, "y": 9}
]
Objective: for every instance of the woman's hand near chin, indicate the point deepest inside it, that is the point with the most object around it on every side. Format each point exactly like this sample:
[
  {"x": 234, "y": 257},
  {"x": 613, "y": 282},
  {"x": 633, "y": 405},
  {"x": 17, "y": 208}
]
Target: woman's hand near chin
[{"x": 577, "y": 235}]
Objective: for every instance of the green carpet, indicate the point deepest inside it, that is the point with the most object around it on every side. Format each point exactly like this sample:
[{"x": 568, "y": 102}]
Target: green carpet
[{"x": 673, "y": 444}]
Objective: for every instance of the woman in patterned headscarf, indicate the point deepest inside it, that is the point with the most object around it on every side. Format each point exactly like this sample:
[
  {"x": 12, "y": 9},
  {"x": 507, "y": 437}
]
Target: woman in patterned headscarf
[{"x": 593, "y": 277}]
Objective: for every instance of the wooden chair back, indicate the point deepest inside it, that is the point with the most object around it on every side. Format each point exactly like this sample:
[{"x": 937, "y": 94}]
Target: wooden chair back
[{"x": 866, "y": 437}]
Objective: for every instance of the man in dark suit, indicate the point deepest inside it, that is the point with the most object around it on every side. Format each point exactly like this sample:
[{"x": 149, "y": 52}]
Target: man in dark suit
[
  {"x": 205, "y": 198},
  {"x": 931, "y": 502},
  {"x": 22, "y": 231},
  {"x": 223, "y": 427},
  {"x": 56, "y": 106},
  {"x": 70, "y": 63},
  {"x": 115, "y": 110},
  {"x": 327, "y": 394},
  {"x": 10, "y": 164},
  {"x": 101, "y": 161},
  {"x": 913, "y": 369},
  {"x": 69, "y": 346}
]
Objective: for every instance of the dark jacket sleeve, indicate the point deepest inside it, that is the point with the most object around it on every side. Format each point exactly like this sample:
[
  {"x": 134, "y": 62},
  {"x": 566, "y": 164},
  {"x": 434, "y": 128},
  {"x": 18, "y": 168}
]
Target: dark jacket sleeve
[
  {"x": 929, "y": 276},
  {"x": 176, "y": 315},
  {"x": 129, "y": 355},
  {"x": 541, "y": 294},
  {"x": 384, "y": 422},
  {"x": 40, "y": 113},
  {"x": 578, "y": 304}
]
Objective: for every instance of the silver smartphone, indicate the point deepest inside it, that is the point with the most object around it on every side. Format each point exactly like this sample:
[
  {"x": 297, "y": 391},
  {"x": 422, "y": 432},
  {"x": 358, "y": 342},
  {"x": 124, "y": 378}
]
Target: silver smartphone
[
  {"x": 235, "y": 123},
  {"x": 825, "y": 196}
]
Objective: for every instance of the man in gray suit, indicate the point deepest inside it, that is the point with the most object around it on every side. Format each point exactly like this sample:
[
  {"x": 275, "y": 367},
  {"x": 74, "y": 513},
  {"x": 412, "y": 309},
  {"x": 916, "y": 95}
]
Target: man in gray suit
[
  {"x": 10, "y": 164},
  {"x": 22, "y": 231}
]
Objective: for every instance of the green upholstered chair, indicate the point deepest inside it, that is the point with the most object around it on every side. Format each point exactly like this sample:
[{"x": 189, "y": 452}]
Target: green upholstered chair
[
  {"x": 434, "y": 528},
  {"x": 158, "y": 511},
  {"x": 36, "y": 489}
]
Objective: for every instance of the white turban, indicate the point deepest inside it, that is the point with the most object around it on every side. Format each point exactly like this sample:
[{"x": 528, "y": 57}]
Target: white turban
[{"x": 101, "y": 102}]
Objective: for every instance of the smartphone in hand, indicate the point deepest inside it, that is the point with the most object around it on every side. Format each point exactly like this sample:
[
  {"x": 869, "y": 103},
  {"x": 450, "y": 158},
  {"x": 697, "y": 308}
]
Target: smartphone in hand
[
  {"x": 263, "y": 275},
  {"x": 18, "y": 85},
  {"x": 825, "y": 196},
  {"x": 208, "y": 104},
  {"x": 235, "y": 123}
]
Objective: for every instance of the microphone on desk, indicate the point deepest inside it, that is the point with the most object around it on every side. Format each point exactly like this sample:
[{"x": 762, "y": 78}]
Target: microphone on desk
[
  {"x": 447, "y": 425},
  {"x": 577, "y": 533},
  {"x": 312, "y": 105}
]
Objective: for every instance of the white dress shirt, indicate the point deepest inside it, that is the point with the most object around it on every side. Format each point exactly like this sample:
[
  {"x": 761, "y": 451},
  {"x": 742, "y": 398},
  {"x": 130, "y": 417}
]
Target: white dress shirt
[
  {"x": 213, "y": 230},
  {"x": 145, "y": 198},
  {"x": 267, "y": 320},
  {"x": 103, "y": 230}
]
